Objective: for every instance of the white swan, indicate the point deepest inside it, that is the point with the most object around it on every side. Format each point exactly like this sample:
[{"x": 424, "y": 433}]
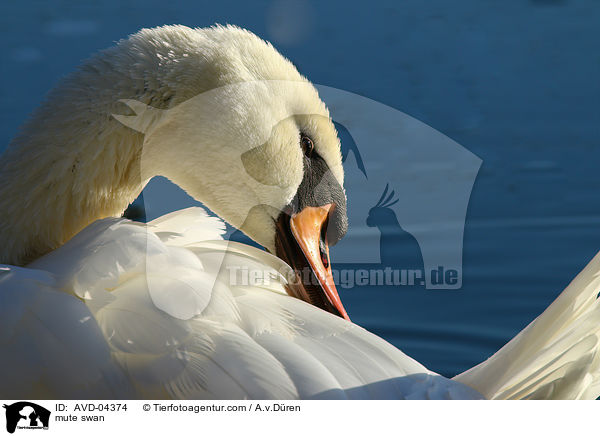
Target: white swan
[{"x": 100, "y": 307}]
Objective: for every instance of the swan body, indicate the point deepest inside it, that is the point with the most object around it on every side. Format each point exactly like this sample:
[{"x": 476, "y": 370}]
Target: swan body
[
  {"x": 96, "y": 306},
  {"x": 145, "y": 313}
]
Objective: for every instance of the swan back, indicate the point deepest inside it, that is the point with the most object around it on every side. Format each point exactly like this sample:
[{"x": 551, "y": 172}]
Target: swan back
[{"x": 163, "y": 311}]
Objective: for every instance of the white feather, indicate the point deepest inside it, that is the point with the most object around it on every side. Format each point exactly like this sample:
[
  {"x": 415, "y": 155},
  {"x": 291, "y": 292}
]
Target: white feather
[
  {"x": 556, "y": 356},
  {"x": 164, "y": 322}
]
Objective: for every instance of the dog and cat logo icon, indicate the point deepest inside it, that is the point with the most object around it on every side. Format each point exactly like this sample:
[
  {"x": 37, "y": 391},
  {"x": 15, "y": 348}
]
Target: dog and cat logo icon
[{"x": 26, "y": 415}]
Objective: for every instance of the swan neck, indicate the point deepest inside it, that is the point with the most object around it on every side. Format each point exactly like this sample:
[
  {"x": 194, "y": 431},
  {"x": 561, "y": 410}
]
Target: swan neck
[{"x": 65, "y": 170}]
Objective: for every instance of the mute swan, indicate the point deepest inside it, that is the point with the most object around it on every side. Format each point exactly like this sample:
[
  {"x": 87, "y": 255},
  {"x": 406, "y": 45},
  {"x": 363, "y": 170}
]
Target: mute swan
[{"x": 96, "y": 306}]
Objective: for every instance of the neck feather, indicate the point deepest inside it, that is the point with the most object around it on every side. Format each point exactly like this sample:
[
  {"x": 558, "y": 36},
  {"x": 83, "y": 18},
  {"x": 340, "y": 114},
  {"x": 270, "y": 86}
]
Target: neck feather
[
  {"x": 72, "y": 163},
  {"x": 53, "y": 185}
]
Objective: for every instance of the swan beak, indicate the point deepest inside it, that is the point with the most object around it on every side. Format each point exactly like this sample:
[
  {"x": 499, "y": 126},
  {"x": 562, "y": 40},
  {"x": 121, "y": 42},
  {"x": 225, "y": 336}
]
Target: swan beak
[{"x": 308, "y": 228}]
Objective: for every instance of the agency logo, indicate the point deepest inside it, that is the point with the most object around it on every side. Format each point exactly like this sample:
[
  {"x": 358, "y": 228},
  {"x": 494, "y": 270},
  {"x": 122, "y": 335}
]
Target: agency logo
[
  {"x": 416, "y": 228},
  {"x": 26, "y": 415}
]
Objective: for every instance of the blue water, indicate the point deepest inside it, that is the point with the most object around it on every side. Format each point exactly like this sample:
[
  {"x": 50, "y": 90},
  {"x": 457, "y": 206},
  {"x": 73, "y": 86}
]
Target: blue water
[{"x": 516, "y": 83}]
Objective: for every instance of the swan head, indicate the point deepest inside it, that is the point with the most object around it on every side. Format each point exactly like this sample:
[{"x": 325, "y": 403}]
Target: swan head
[{"x": 248, "y": 136}]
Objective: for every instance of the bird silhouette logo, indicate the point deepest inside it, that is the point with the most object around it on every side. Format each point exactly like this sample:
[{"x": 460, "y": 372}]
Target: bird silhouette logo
[
  {"x": 397, "y": 246},
  {"x": 431, "y": 174},
  {"x": 26, "y": 415},
  {"x": 349, "y": 145}
]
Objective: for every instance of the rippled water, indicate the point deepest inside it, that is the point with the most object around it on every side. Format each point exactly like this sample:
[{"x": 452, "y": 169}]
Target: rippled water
[
  {"x": 516, "y": 83},
  {"x": 511, "y": 274}
]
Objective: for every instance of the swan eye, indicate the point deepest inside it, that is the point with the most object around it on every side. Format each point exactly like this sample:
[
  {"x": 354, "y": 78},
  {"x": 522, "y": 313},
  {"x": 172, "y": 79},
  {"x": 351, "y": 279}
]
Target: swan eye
[{"x": 307, "y": 145}]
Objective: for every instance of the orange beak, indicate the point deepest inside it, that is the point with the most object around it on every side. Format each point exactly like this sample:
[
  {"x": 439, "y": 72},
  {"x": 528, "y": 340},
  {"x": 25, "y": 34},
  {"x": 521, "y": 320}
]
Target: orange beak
[{"x": 309, "y": 230}]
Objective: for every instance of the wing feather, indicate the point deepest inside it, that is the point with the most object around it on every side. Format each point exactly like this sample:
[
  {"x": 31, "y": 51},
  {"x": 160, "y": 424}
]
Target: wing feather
[{"x": 155, "y": 311}]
